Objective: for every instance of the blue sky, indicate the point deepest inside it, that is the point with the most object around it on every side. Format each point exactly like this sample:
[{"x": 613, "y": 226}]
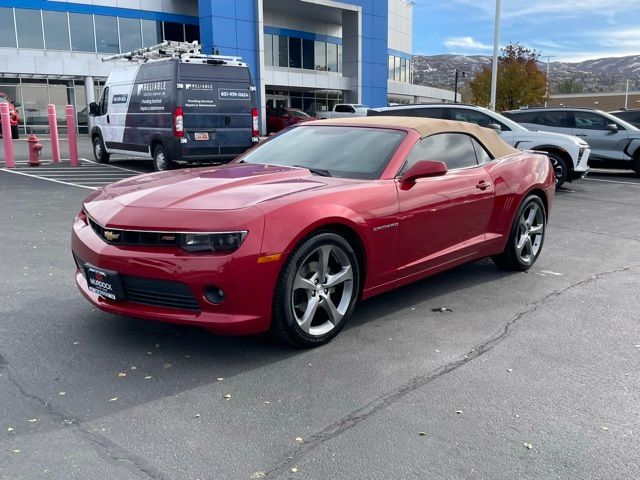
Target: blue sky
[{"x": 569, "y": 30}]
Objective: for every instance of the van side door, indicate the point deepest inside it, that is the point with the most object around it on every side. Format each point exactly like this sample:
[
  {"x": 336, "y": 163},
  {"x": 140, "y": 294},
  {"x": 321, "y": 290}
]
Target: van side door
[{"x": 102, "y": 118}]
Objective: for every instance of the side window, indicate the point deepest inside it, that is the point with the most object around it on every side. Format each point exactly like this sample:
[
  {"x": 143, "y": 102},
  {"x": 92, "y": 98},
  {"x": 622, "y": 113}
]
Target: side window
[
  {"x": 454, "y": 149},
  {"x": 553, "y": 119},
  {"x": 430, "y": 113},
  {"x": 104, "y": 101},
  {"x": 482, "y": 155},
  {"x": 591, "y": 121},
  {"x": 345, "y": 109},
  {"x": 479, "y": 118}
]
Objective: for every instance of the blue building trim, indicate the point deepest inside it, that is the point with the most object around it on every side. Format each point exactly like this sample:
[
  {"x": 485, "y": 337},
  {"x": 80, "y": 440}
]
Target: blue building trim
[
  {"x": 285, "y": 32},
  {"x": 398, "y": 53},
  {"x": 99, "y": 10}
]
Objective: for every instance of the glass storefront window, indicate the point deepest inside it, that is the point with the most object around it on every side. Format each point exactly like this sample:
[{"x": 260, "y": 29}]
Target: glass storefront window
[
  {"x": 7, "y": 29},
  {"x": 321, "y": 55},
  {"x": 396, "y": 68},
  {"x": 340, "y": 58},
  {"x": 106, "y": 34},
  {"x": 268, "y": 49},
  {"x": 151, "y": 32},
  {"x": 332, "y": 57},
  {"x": 403, "y": 69},
  {"x": 192, "y": 33},
  {"x": 130, "y": 34},
  {"x": 29, "y": 26},
  {"x": 82, "y": 39},
  {"x": 174, "y": 31},
  {"x": 390, "y": 72},
  {"x": 56, "y": 30},
  {"x": 308, "y": 55},
  {"x": 295, "y": 52},
  {"x": 34, "y": 108},
  {"x": 283, "y": 51}
]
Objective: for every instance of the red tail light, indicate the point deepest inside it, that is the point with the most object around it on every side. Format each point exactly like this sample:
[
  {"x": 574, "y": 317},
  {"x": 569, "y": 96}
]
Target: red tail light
[
  {"x": 178, "y": 122},
  {"x": 255, "y": 129}
]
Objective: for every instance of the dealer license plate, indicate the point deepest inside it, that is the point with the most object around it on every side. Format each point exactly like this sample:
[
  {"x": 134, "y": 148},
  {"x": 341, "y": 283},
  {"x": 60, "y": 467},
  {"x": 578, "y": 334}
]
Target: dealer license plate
[
  {"x": 103, "y": 282},
  {"x": 201, "y": 135}
]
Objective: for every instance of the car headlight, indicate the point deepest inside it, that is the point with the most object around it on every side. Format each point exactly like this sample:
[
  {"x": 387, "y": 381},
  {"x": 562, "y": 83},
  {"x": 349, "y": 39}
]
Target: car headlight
[{"x": 212, "y": 242}]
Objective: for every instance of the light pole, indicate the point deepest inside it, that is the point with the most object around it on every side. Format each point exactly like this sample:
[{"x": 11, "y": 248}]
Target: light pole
[
  {"x": 455, "y": 94},
  {"x": 494, "y": 71},
  {"x": 546, "y": 95},
  {"x": 626, "y": 95}
]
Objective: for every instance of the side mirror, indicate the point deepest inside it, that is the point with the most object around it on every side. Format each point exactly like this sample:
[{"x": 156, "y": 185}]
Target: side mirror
[
  {"x": 16, "y": 104},
  {"x": 496, "y": 127},
  {"x": 423, "y": 169},
  {"x": 94, "y": 111},
  {"x": 612, "y": 127}
]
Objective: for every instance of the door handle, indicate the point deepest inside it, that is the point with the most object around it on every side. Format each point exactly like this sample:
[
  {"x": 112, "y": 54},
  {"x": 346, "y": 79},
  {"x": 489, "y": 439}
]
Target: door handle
[
  {"x": 483, "y": 185},
  {"x": 581, "y": 134},
  {"x": 107, "y": 118}
]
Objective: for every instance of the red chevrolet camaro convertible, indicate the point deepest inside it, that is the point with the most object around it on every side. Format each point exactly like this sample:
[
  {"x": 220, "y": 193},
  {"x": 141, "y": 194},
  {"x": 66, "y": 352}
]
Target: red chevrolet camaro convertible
[{"x": 289, "y": 236}]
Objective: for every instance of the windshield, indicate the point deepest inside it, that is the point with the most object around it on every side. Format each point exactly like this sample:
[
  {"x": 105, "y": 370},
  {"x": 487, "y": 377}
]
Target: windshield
[
  {"x": 508, "y": 122},
  {"x": 297, "y": 113},
  {"x": 347, "y": 152},
  {"x": 617, "y": 120}
]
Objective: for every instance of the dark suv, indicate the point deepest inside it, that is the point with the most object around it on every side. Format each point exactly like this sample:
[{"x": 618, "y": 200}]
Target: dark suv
[
  {"x": 614, "y": 142},
  {"x": 629, "y": 116}
]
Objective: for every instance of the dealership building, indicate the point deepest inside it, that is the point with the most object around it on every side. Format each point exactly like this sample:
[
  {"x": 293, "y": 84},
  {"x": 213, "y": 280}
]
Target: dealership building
[{"x": 305, "y": 54}]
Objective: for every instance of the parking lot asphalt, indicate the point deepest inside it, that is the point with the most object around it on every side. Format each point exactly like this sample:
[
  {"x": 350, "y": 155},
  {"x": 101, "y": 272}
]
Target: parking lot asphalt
[{"x": 531, "y": 375}]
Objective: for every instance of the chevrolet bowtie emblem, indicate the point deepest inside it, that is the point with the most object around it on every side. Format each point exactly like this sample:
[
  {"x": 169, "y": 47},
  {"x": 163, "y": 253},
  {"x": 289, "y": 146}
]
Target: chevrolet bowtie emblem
[{"x": 110, "y": 236}]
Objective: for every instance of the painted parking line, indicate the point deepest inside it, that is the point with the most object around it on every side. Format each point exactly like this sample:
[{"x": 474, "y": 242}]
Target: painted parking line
[
  {"x": 612, "y": 181},
  {"x": 89, "y": 174}
]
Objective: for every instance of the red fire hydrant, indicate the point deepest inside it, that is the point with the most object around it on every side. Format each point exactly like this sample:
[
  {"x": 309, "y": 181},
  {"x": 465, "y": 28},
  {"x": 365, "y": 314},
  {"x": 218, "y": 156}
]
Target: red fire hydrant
[{"x": 34, "y": 151}]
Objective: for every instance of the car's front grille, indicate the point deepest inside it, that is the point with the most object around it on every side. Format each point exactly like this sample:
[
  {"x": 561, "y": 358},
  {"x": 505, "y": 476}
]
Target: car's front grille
[
  {"x": 115, "y": 236},
  {"x": 159, "y": 293}
]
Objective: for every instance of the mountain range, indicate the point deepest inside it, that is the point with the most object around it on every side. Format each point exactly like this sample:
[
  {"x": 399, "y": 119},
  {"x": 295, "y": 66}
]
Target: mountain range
[{"x": 598, "y": 75}]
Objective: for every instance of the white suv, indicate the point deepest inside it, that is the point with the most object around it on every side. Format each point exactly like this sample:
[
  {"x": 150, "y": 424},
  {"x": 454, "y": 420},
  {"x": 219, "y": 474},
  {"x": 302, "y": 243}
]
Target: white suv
[{"x": 568, "y": 154}]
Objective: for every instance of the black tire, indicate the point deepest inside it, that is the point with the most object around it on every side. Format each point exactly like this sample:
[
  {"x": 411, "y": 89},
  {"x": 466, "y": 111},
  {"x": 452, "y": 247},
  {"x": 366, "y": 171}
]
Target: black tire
[
  {"x": 636, "y": 163},
  {"x": 560, "y": 168},
  {"x": 15, "y": 133},
  {"x": 161, "y": 160},
  {"x": 286, "y": 324},
  {"x": 513, "y": 257},
  {"x": 99, "y": 151}
]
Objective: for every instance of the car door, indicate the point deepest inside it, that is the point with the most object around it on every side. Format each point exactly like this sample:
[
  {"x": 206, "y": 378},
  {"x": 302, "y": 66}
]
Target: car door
[
  {"x": 344, "y": 111},
  {"x": 444, "y": 219},
  {"x": 100, "y": 120},
  {"x": 605, "y": 144}
]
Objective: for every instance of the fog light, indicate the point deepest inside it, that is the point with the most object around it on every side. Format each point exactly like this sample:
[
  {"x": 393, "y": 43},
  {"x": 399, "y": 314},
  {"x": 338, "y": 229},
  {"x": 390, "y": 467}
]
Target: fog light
[{"x": 214, "y": 294}]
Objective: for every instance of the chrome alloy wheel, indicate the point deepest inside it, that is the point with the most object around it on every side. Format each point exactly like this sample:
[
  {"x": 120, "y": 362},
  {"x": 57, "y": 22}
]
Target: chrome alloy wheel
[
  {"x": 97, "y": 150},
  {"x": 530, "y": 233},
  {"x": 322, "y": 290},
  {"x": 558, "y": 168}
]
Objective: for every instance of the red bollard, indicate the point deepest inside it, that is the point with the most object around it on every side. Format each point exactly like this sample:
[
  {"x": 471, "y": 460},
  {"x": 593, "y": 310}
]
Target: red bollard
[
  {"x": 53, "y": 128},
  {"x": 6, "y": 136},
  {"x": 71, "y": 135}
]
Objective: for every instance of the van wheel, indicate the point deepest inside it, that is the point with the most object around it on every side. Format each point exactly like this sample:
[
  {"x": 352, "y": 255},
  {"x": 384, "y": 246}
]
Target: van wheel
[
  {"x": 161, "y": 160},
  {"x": 15, "y": 134},
  {"x": 99, "y": 152}
]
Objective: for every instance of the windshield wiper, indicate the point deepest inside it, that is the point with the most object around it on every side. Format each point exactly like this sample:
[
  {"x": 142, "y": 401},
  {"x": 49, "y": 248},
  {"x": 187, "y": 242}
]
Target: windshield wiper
[{"x": 316, "y": 171}]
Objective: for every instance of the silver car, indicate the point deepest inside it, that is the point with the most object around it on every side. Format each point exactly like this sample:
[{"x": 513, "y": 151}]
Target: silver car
[{"x": 614, "y": 142}]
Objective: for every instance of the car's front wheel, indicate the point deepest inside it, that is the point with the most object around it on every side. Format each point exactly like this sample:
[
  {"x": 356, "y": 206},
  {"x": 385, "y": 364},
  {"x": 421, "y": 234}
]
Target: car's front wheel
[
  {"x": 559, "y": 168},
  {"x": 99, "y": 152},
  {"x": 526, "y": 236},
  {"x": 317, "y": 291}
]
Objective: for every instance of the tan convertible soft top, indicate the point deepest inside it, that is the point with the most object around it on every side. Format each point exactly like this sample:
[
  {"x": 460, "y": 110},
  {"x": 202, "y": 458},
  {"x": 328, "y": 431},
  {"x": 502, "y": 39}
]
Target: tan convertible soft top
[{"x": 428, "y": 126}]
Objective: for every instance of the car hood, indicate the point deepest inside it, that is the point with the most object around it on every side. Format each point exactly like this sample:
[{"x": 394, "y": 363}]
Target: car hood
[
  {"x": 542, "y": 136},
  {"x": 228, "y": 187}
]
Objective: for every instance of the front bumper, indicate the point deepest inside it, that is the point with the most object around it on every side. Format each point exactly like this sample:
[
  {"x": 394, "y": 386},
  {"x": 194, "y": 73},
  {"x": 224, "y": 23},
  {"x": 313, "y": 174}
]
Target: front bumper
[
  {"x": 582, "y": 167},
  {"x": 248, "y": 285}
]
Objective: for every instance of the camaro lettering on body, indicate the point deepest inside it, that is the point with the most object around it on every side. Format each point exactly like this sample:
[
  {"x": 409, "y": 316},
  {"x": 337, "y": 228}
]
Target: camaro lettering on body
[{"x": 385, "y": 227}]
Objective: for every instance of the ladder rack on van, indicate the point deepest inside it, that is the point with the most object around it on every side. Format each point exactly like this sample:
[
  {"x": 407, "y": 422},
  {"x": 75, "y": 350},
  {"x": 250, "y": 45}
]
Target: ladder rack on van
[{"x": 171, "y": 49}]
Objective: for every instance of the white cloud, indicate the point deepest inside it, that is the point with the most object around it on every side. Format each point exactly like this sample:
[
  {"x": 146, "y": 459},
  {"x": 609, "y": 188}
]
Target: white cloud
[{"x": 468, "y": 43}]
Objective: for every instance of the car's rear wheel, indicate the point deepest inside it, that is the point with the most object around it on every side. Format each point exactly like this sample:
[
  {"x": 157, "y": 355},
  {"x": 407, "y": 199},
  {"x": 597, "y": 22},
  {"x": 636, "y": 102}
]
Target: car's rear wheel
[
  {"x": 636, "y": 163},
  {"x": 560, "y": 168},
  {"x": 99, "y": 152},
  {"x": 526, "y": 236},
  {"x": 161, "y": 160},
  {"x": 316, "y": 292},
  {"x": 15, "y": 134}
]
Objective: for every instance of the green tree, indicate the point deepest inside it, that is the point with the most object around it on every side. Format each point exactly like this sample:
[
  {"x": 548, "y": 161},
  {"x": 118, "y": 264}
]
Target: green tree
[
  {"x": 569, "y": 86},
  {"x": 520, "y": 80}
]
